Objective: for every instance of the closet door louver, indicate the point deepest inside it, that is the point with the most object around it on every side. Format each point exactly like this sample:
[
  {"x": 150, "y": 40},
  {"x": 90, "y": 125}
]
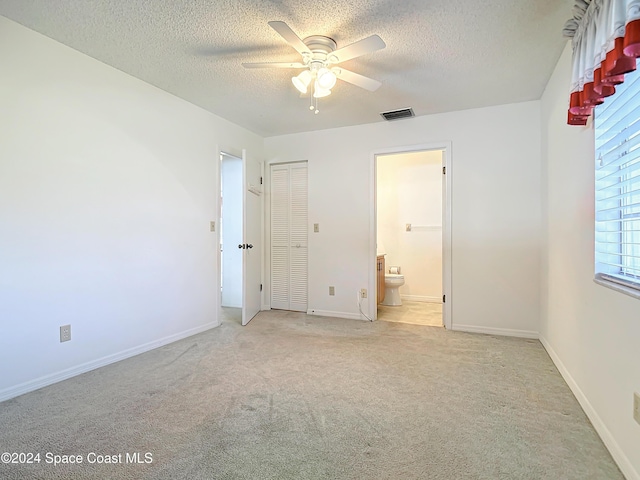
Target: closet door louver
[
  {"x": 298, "y": 239},
  {"x": 280, "y": 238},
  {"x": 289, "y": 237}
]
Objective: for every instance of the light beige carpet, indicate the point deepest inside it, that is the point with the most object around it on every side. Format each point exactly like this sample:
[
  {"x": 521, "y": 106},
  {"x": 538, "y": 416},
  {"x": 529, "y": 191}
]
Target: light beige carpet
[{"x": 292, "y": 396}]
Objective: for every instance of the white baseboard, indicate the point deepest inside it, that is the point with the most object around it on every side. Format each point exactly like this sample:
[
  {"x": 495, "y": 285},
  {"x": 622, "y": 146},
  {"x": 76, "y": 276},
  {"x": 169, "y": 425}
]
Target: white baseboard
[
  {"x": 505, "y": 332},
  {"x": 50, "y": 379},
  {"x": 618, "y": 455},
  {"x": 421, "y": 298},
  {"x": 327, "y": 313}
]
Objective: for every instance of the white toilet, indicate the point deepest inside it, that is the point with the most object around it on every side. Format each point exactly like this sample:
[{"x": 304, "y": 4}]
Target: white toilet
[{"x": 392, "y": 282}]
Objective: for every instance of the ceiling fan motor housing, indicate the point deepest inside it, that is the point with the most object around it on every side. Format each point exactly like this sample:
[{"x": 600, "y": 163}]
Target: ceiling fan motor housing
[{"x": 320, "y": 48}]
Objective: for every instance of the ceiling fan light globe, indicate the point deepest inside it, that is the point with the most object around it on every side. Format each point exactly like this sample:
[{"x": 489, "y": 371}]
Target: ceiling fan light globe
[
  {"x": 319, "y": 92},
  {"x": 301, "y": 82},
  {"x": 299, "y": 85},
  {"x": 326, "y": 78}
]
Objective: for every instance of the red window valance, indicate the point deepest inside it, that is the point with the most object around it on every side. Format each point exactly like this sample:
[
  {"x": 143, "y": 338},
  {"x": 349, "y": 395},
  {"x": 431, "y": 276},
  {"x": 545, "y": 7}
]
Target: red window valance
[{"x": 606, "y": 43}]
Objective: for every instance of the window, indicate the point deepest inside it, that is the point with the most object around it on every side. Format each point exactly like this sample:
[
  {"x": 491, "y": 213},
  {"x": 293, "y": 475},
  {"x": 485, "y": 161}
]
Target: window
[{"x": 617, "y": 209}]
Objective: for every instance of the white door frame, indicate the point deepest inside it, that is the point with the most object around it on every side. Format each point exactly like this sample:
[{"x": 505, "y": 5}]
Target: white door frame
[{"x": 445, "y": 146}]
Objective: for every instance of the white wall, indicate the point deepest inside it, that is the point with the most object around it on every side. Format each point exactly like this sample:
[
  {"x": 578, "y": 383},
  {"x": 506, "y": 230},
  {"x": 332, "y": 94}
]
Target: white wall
[
  {"x": 231, "y": 171},
  {"x": 107, "y": 188},
  {"x": 496, "y": 210},
  {"x": 590, "y": 331},
  {"x": 409, "y": 190}
]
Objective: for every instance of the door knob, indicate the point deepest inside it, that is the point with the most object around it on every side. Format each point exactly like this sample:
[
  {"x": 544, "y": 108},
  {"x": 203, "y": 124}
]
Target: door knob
[
  {"x": 249, "y": 245},
  {"x": 241, "y": 245}
]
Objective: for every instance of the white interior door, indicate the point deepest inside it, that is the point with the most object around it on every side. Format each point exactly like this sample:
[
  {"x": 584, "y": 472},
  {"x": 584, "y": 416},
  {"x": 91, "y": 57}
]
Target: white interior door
[{"x": 252, "y": 238}]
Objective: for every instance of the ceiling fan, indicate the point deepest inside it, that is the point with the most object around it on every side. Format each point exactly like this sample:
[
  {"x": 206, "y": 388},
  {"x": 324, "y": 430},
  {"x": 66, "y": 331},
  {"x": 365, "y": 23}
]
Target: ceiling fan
[{"x": 320, "y": 56}]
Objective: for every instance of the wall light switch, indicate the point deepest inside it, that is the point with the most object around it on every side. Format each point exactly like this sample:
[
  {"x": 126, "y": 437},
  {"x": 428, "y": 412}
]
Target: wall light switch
[
  {"x": 316, "y": 227},
  {"x": 332, "y": 290},
  {"x": 636, "y": 407},
  {"x": 212, "y": 226}
]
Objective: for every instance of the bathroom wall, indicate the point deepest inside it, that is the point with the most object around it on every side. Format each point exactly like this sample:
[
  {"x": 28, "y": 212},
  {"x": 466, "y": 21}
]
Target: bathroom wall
[{"x": 409, "y": 190}]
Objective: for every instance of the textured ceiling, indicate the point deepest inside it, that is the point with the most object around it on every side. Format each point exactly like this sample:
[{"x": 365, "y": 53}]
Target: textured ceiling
[{"x": 441, "y": 55}]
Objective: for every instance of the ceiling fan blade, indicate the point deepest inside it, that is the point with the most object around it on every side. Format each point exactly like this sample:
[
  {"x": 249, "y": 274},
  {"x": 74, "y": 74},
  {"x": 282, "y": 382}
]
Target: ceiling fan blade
[
  {"x": 290, "y": 36},
  {"x": 357, "y": 79},
  {"x": 274, "y": 65},
  {"x": 361, "y": 47}
]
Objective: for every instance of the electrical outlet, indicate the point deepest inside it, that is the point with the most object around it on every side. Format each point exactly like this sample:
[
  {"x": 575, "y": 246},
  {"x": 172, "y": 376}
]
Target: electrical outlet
[
  {"x": 65, "y": 333},
  {"x": 332, "y": 290},
  {"x": 636, "y": 407},
  {"x": 363, "y": 293}
]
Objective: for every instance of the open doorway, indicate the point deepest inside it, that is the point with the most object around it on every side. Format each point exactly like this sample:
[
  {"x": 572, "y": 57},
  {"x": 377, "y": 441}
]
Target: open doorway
[
  {"x": 411, "y": 235},
  {"x": 231, "y": 235}
]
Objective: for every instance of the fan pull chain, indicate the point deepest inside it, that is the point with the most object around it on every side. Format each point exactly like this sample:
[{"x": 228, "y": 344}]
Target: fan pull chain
[{"x": 313, "y": 100}]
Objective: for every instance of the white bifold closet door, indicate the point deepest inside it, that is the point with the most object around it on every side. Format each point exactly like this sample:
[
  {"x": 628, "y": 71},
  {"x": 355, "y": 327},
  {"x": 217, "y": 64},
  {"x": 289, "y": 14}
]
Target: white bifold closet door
[{"x": 289, "y": 236}]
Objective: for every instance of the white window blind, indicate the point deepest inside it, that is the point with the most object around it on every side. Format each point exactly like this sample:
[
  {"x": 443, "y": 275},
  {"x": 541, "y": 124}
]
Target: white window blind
[{"x": 617, "y": 185}]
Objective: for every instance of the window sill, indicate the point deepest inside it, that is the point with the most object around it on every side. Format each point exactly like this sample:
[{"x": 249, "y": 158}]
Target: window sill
[{"x": 632, "y": 292}]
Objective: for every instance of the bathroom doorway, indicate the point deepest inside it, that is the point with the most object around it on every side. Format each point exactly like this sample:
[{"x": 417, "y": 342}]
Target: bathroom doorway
[
  {"x": 231, "y": 235},
  {"x": 411, "y": 235}
]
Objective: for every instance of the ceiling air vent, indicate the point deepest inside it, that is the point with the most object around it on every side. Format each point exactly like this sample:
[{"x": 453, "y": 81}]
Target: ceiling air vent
[{"x": 398, "y": 114}]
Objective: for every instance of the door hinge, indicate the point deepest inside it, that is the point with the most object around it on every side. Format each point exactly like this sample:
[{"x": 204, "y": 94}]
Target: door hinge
[
  {"x": 260, "y": 287},
  {"x": 260, "y": 180},
  {"x": 444, "y": 170},
  {"x": 444, "y": 299}
]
